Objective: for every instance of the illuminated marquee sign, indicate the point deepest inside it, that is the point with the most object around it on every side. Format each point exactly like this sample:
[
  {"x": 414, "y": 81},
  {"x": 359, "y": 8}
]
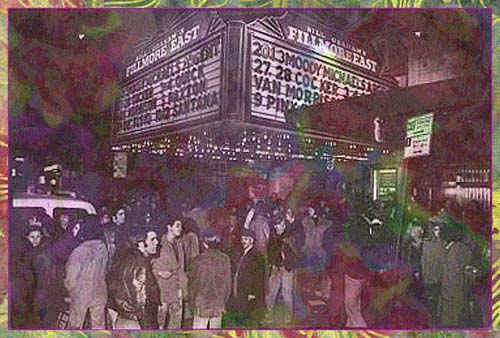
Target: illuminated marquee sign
[
  {"x": 285, "y": 79},
  {"x": 181, "y": 89},
  {"x": 330, "y": 45},
  {"x": 163, "y": 48}
]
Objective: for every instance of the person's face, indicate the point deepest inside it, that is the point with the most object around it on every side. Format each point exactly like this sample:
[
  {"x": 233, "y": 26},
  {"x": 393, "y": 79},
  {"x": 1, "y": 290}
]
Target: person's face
[
  {"x": 64, "y": 221},
  {"x": 120, "y": 217},
  {"x": 105, "y": 219},
  {"x": 148, "y": 218},
  {"x": 35, "y": 237},
  {"x": 436, "y": 231},
  {"x": 289, "y": 215},
  {"x": 280, "y": 227},
  {"x": 151, "y": 243},
  {"x": 246, "y": 242},
  {"x": 416, "y": 233},
  {"x": 76, "y": 229},
  {"x": 176, "y": 228},
  {"x": 310, "y": 212}
]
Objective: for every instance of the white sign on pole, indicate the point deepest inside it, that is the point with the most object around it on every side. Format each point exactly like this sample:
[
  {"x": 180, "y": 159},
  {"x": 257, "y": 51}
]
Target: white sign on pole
[
  {"x": 120, "y": 165},
  {"x": 418, "y": 136}
]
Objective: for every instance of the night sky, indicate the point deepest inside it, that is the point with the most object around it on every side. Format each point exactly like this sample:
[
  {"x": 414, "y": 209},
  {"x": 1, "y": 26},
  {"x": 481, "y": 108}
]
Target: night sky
[{"x": 64, "y": 68}]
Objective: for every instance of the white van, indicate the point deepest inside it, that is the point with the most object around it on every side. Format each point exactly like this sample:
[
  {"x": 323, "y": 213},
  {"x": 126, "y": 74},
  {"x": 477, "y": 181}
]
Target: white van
[{"x": 51, "y": 205}]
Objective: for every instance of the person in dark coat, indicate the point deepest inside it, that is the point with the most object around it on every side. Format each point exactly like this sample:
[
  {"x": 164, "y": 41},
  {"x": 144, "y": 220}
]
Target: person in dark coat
[
  {"x": 209, "y": 283},
  {"x": 249, "y": 282},
  {"x": 454, "y": 291},
  {"x": 132, "y": 287},
  {"x": 61, "y": 225},
  {"x": 283, "y": 255},
  {"x": 230, "y": 235},
  {"x": 24, "y": 279},
  {"x": 50, "y": 270},
  {"x": 433, "y": 254}
]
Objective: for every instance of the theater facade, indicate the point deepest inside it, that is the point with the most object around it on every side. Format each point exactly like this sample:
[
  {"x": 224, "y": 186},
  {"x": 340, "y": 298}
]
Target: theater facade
[{"x": 214, "y": 95}]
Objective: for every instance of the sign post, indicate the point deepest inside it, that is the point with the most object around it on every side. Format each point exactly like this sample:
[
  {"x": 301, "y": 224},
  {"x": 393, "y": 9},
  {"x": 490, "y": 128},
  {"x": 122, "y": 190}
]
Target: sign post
[
  {"x": 418, "y": 136},
  {"x": 417, "y": 143}
]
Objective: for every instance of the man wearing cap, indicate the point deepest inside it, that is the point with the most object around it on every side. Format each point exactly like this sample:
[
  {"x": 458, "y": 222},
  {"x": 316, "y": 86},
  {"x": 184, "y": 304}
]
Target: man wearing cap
[
  {"x": 249, "y": 281},
  {"x": 209, "y": 283},
  {"x": 283, "y": 255}
]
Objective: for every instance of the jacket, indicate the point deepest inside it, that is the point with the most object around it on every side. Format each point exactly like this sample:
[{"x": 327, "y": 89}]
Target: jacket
[
  {"x": 191, "y": 247},
  {"x": 86, "y": 274},
  {"x": 282, "y": 251},
  {"x": 260, "y": 226},
  {"x": 133, "y": 289},
  {"x": 210, "y": 283},
  {"x": 454, "y": 287},
  {"x": 249, "y": 279},
  {"x": 171, "y": 259},
  {"x": 433, "y": 254}
]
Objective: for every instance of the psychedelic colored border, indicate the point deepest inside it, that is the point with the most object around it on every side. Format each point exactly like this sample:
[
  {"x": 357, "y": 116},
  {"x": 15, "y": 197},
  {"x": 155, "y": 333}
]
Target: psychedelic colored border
[{"x": 494, "y": 4}]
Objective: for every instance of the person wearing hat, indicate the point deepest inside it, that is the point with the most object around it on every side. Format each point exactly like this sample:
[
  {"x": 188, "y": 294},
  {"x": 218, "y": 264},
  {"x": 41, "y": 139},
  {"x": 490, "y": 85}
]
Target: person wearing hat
[
  {"x": 209, "y": 283},
  {"x": 249, "y": 282}
]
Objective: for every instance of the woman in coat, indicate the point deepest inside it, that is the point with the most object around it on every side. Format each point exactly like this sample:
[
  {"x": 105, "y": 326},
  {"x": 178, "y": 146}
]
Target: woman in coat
[
  {"x": 23, "y": 287},
  {"x": 50, "y": 270}
]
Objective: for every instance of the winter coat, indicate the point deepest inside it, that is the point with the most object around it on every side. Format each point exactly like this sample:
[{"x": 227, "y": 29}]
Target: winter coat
[
  {"x": 454, "y": 287},
  {"x": 282, "y": 251},
  {"x": 296, "y": 230},
  {"x": 171, "y": 259},
  {"x": 260, "y": 226},
  {"x": 50, "y": 271},
  {"x": 133, "y": 289},
  {"x": 210, "y": 283},
  {"x": 23, "y": 285},
  {"x": 191, "y": 247},
  {"x": 433, "y": 254},
  {"x": 412, "y": 254},
  {"x": 86, "y": 274},
  {"x": 249, "y": 279}
]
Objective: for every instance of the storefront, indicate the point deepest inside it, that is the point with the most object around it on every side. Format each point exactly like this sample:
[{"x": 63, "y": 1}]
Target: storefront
[{"x": 455, "y": 173}]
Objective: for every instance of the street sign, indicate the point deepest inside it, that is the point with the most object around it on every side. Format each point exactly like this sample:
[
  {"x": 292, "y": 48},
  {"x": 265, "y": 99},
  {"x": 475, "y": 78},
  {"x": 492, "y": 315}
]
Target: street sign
[
  {"x": 418, "y": 136},
  {"x": 120, "y": 165},
  {"x": 385, "y": 183}
]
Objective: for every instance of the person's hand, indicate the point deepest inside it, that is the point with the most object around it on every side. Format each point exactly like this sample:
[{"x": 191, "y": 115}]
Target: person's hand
[
  {"x": 67, "y": 299},
  {"x": 251, "y": 297},
  {"x": 165, "y": 274}
]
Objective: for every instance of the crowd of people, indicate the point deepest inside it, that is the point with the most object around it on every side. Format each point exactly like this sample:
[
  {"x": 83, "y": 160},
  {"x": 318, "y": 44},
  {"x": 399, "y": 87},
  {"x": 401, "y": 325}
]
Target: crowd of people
[{"x": 135, "y": 267}]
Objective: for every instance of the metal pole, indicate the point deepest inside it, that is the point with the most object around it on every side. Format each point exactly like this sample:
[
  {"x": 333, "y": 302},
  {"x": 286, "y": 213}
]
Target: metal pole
[{"x": 403, "y": 201}]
